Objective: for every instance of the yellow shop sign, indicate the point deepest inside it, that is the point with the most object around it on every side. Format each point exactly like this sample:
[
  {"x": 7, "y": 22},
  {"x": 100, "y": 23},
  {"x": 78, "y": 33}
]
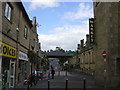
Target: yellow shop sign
[{"x": 7, "y": 51}]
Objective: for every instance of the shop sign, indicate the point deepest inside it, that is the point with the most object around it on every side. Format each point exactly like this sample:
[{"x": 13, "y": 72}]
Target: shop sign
[
  {"x": 7, "y": 50},
  {"x": 91, "y": 29},
  {"x": 23, "y": 56}
]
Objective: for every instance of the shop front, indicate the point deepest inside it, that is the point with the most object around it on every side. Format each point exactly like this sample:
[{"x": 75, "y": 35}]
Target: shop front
[
  {"x": 8, "y": 55},
  {"x": 23, "y": 66}
]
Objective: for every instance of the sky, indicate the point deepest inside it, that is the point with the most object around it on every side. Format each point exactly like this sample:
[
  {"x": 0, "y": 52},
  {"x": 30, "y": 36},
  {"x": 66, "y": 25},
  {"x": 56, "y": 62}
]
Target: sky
[{"x": 61, "y": 24}]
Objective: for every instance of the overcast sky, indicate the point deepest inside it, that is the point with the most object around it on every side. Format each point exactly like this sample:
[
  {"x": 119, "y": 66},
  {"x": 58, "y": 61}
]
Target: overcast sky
[{"x": 62, "y": 24}]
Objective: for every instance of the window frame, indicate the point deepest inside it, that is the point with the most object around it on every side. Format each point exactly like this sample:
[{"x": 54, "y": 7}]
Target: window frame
[
  {"x": 25, "y": 32},
  {"x": 8, "y": 11}
]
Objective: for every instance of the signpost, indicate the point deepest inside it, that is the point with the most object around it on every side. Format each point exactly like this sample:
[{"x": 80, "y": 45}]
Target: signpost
[{"x": 104, "y": 57}]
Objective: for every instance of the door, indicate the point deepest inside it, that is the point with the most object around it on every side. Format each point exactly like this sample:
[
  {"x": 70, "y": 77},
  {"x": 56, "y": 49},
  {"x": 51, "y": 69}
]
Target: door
[{"x": 12, "y": 74}]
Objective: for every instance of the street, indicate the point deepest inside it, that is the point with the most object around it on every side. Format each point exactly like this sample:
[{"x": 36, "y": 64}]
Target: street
[{"x": 75, "y": 82}]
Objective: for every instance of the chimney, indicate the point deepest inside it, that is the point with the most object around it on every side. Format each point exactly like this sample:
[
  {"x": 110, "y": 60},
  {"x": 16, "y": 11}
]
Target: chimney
[
  {"x": 87, "y": 38},
  {"x": 78, "y": 46},
  {"x": 34, "y": 21},
  {"x": 82, "y": 42}
]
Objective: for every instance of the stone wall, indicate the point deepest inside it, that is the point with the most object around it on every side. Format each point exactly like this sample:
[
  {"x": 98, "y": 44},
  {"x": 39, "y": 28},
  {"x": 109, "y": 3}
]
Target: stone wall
[{"x": 106, "y": 39}]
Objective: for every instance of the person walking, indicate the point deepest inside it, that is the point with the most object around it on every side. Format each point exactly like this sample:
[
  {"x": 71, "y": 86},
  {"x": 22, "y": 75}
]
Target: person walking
[
  {"x": 52, "y": 72},
  {"x": 49, "y": 74}
]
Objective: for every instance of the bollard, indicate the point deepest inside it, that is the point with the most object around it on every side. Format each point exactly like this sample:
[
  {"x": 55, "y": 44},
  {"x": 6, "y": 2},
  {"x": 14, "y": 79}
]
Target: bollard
[
  {"x": 58, "y": 73},
  {"x": 30, "y": 83},
  {"x": 66, "y": 73},
  {"x": 66, "y": 84},
  {"x": 48, "y": 84},
  {"x": 84, "y": 83},
  {"x": 27, "y": 85}
]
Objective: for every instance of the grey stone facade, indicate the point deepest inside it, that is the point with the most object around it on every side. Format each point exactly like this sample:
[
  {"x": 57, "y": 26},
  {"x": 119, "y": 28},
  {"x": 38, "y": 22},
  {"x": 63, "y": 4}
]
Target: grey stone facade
[
  {"x": 106, "y": 38},
  {"x": 107, "y": 16}
]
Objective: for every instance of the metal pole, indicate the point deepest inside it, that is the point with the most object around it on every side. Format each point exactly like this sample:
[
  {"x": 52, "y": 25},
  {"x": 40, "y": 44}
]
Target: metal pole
[
  {"x": 48, "y": 84},
  {"x": 66, "y": 72},
  {"x": 84, "y": 80},
  {"x": 66, "y": 84},
  {"x": 27, "y": 85},
  {"x": 31, "y": 76},
  {"x": 0, "y": 73},
  {"x": 105, "y": 73},
  {"x": 58, "y": 73}
]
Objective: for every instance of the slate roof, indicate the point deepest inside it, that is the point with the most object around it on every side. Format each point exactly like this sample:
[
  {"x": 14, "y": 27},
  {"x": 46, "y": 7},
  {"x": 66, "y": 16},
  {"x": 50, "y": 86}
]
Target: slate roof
[{"x": 57, "y": 54}]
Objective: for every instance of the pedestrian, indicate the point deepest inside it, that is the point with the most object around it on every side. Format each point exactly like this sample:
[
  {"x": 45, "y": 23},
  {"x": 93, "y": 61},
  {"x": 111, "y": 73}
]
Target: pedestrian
[
  {"x": 52, "y": 72},
  {"x": 41, "y": 75},
  {"x": 49, "y": 74},
  {"x": 33, "y": 77}
]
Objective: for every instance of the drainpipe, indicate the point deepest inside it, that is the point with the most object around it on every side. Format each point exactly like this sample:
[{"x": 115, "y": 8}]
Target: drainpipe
[{"x": 17, "y": 51}]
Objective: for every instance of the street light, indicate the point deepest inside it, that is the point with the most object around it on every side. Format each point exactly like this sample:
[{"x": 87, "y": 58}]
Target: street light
[{"x": 30, "y": 53}]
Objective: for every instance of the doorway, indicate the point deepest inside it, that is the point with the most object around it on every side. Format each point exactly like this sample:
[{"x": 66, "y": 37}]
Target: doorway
[{"x": 12, "y": 73}]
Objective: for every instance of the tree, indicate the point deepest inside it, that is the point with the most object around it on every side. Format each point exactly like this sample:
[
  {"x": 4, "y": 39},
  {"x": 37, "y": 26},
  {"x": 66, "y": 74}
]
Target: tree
[
  {"x": 62, "y": 61},
  {"x": 60, "y": 49},
  {"x": 32, "y": 56}
]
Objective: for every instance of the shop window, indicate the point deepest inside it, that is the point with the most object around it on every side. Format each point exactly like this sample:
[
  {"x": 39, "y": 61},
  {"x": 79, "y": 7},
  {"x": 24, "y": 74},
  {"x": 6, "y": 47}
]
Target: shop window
[
  {"x": 8, "y": 11},
  {"x": 21, "y": 65}
]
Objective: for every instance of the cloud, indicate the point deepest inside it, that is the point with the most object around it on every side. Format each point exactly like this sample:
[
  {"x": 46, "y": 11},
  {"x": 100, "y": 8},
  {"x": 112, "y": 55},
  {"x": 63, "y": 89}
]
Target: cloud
[
  {"x": 35, "y": 4},
  {"x": 84, "y": 11},
  {"x": 66, "y": 37}
]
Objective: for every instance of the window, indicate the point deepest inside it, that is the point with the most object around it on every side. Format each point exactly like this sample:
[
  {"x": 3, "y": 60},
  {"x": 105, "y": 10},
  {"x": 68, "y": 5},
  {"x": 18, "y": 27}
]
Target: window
[
  {"x": 34, "y": 42},
  {"x": 8, "y": 11},
  {"x": 25, "y": 32}
]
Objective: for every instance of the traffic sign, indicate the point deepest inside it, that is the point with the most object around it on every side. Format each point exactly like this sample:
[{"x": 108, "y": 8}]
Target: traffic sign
[{"x": 104, "y": 54}]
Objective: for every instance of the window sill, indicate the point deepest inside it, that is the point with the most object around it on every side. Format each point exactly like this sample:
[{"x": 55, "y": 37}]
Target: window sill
[{"x": 8, "y": 20}]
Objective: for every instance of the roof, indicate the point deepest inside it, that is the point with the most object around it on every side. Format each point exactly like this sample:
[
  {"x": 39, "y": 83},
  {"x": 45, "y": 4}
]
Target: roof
[
  {"x": 25, "y": 13},
  {"x": 57, "y": 54}
]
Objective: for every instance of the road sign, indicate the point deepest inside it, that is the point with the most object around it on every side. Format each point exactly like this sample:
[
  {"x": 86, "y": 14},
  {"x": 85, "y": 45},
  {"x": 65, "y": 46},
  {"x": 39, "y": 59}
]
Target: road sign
[{"x": 104, "y": 54}]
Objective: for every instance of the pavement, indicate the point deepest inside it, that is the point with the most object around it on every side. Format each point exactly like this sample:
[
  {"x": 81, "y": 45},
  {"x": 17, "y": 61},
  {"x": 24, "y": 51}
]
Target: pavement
[{"x": 75, "y": 82}]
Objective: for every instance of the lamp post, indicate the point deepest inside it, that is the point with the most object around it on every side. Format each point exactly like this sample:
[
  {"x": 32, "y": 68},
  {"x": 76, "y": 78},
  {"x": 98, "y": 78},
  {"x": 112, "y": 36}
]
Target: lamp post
[
  {"x": 30, "y": 60},
  {"x": 31, "y": 74},
  {"x": 66, "y": 67},
  {"x": 31, "y": 57}
]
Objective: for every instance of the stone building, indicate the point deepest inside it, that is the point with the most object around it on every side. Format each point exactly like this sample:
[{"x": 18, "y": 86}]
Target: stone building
[
  {"x": 86, "y": 55},
  {"x": 107, "y": 31},
  {"x": 85, "y": 52},
  {"x": 34, "y": 44},
  {"x": 73, "y": 61},
  {"x": 16, "y": 32}
]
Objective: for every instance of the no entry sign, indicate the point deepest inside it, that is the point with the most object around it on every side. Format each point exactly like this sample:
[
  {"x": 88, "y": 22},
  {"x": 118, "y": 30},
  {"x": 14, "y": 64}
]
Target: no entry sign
[{"x": 104, "y": 54}]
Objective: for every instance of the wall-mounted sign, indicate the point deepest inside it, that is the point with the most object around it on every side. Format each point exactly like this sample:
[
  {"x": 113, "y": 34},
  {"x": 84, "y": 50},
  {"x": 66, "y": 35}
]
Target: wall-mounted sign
[
  {"x": 7, "y": 50},
  {"x": 23, "y": 56},
  {"x": 104, "y": 54},
  {"x": 91, "y": 29}
]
